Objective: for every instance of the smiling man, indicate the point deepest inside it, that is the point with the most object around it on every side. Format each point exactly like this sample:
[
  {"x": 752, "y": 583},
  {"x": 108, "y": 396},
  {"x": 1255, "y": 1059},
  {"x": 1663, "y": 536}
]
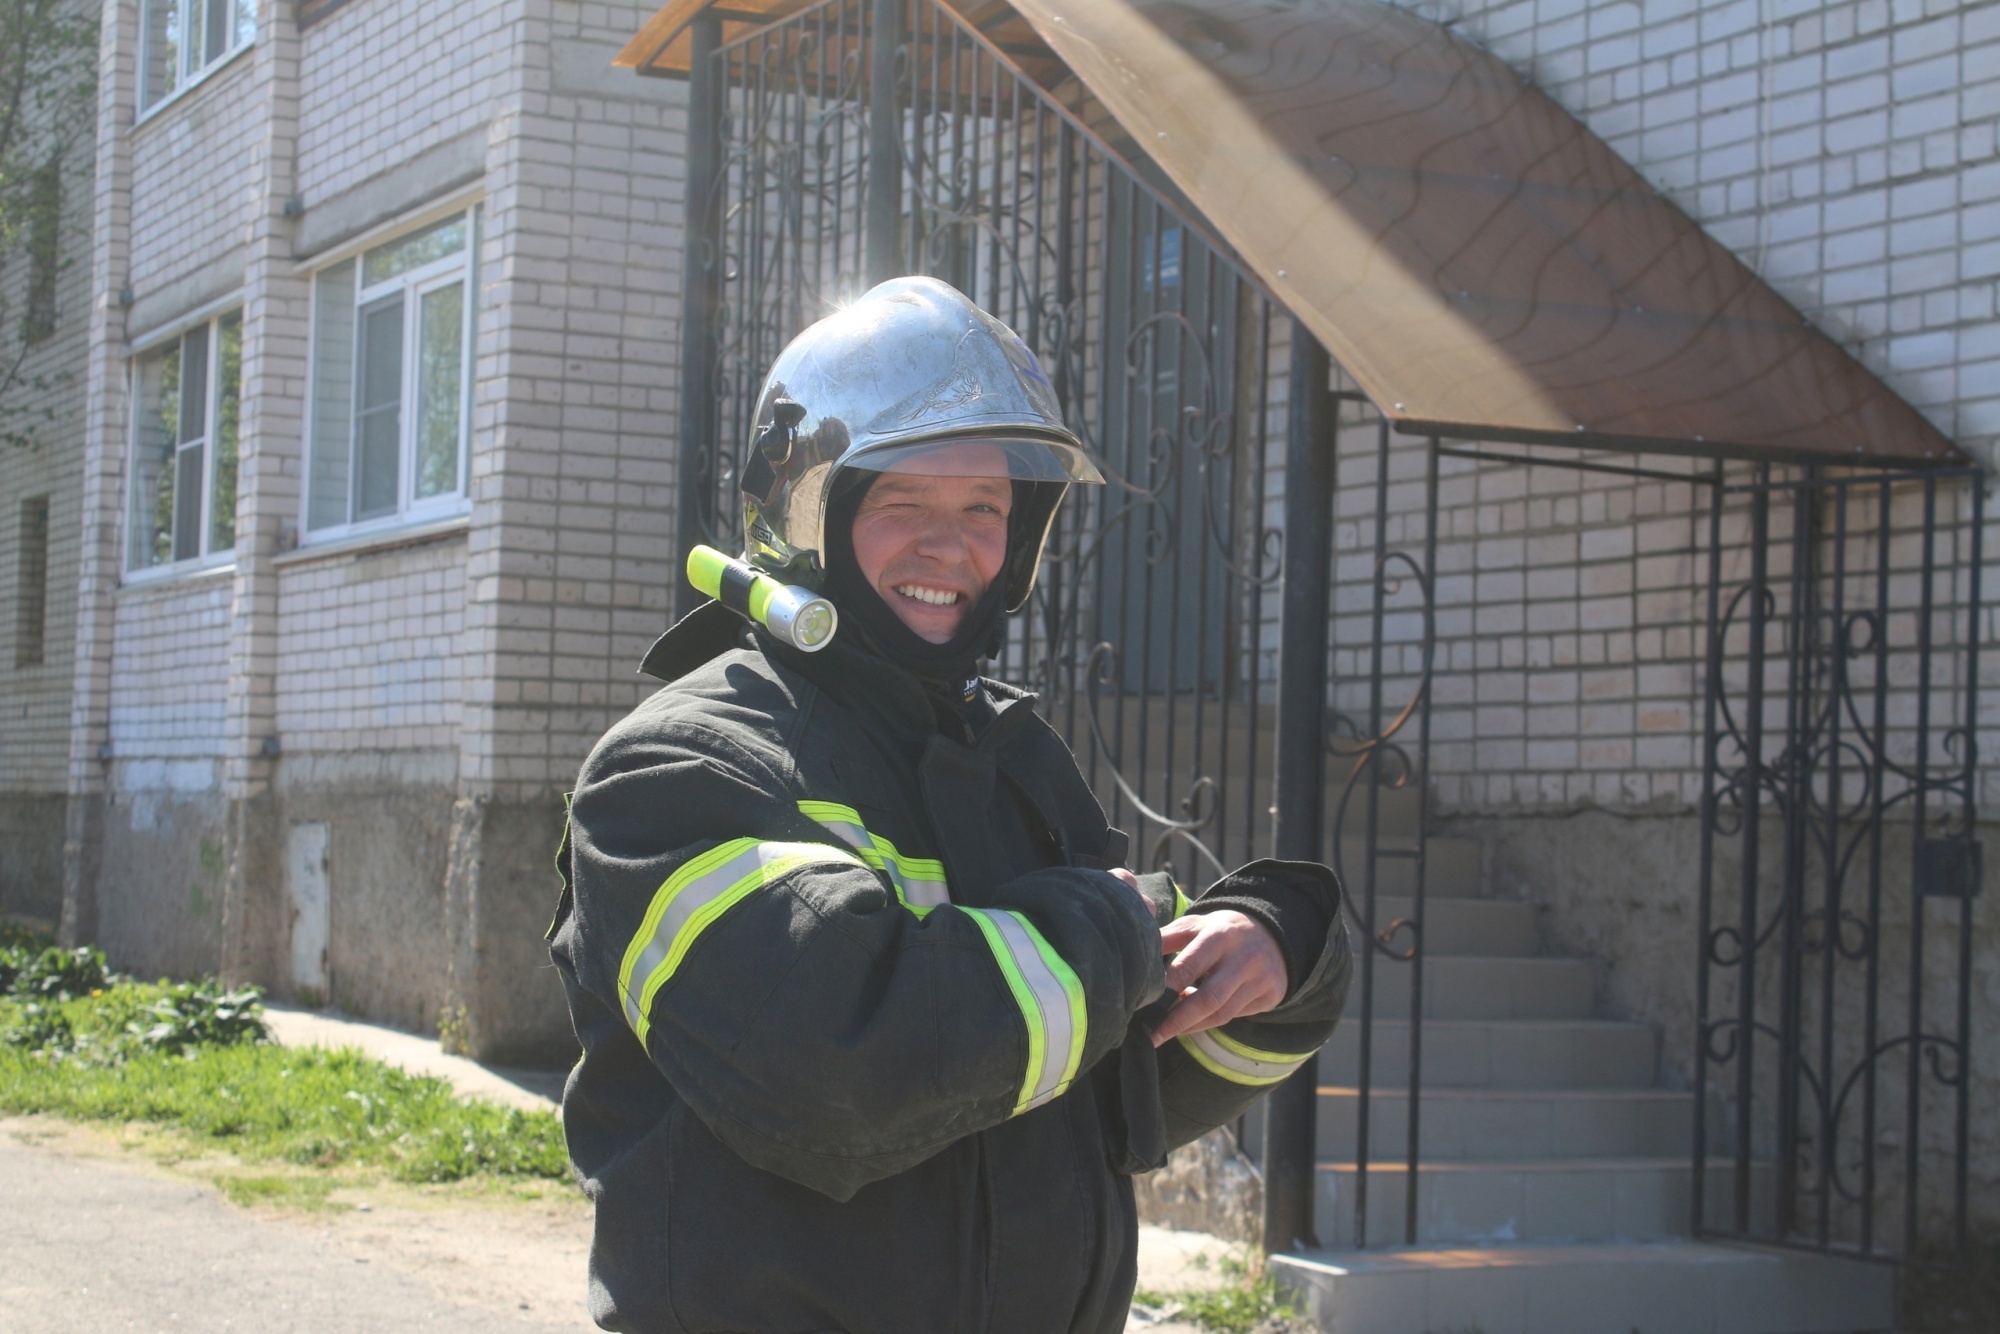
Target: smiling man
[{"x": 876, "y": 1023}]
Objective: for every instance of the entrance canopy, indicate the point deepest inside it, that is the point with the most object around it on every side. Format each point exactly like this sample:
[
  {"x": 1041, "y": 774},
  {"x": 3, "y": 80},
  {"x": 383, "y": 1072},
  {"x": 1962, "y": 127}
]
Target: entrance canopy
[{"x": 1482, "y": 264}]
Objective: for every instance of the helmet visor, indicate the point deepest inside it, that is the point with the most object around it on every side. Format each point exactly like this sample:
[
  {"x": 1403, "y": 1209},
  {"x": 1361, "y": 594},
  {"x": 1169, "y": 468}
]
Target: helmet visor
[{"x": 1017, "y": 458}]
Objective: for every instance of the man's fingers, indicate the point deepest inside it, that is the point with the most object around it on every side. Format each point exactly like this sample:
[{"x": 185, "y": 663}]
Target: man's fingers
[
  {"x": 1176, "y": 935},
  {"x": 1194, "y": 962},
  {"x": 1206, "y": 1006}
]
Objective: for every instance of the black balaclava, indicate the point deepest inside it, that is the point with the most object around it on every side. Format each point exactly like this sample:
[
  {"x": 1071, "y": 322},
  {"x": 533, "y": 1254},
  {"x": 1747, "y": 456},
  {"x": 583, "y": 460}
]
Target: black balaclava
[{"x": 951, "y": 668}]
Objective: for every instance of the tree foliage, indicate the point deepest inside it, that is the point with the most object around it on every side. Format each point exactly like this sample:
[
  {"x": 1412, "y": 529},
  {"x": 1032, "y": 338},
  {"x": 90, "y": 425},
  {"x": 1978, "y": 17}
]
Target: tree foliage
[{"x": 48, "y": 90}]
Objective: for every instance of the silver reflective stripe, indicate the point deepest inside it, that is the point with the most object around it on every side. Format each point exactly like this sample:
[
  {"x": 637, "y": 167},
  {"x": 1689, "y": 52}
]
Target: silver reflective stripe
[
  {"x": 693, "y": 897},
  {"x": 1222, "y": 1055},
  {"x": 919, "y": 881},
  {"x": 923, "y": 892},
  {"x": 1051, "y": 1001}
]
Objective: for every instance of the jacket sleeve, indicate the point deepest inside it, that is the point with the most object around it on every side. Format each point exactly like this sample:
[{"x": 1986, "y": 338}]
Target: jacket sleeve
[
  {"x": 1210, "y": 1078},
  {"x": 827, "y": 1025}
]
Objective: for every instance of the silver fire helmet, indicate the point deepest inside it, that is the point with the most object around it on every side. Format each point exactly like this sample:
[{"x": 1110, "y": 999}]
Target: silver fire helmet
[{"x": 885, "y": 385}]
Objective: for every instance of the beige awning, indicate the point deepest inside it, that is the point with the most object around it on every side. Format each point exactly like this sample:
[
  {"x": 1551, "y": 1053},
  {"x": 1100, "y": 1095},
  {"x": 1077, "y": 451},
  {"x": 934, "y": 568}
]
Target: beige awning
[{"x": 1481, "y": 263}]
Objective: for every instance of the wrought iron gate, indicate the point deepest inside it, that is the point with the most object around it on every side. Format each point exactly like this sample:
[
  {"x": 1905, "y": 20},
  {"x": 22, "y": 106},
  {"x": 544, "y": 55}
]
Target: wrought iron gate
[
  {"x": 1839, "y": 861},
  {"x": 1178, "y": 632}
]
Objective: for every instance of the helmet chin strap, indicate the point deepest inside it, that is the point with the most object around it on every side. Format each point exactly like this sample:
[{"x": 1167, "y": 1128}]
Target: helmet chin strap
[{"x": 953, "y": 665}]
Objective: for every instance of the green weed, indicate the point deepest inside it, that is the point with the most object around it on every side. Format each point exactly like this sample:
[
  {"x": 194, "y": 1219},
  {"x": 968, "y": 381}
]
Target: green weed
[
  {"x": 1249, "y": 1303},
  {"x": 306, "y": 1193}
]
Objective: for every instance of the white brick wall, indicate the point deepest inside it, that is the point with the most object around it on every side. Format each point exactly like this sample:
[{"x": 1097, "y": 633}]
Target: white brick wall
[
  {"x": 1847, "y": 152},
  {"x": 170, "y": 660},
  {"x": 572, "y": 552},
  {"x": 193, "y": 178},
  {"x": 46, "y": 403},
  {"x": 371, "y": 653},
  {"x": 379, "y": 83}
]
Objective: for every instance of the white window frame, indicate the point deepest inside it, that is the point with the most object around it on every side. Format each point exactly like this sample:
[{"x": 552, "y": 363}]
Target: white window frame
[
  {"x": 413, "y": 285},
  {"x": 191, "y": 72},
  {"x": 206, "y": 557}
]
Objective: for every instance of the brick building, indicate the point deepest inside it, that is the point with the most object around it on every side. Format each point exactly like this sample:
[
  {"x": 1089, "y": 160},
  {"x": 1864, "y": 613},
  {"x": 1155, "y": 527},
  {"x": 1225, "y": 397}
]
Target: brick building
[{"x": 372, "y": 502}]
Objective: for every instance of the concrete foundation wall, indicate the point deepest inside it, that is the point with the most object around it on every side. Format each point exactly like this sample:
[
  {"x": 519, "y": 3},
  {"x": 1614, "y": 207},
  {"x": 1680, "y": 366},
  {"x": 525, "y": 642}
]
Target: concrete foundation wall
[
  {"x": 505, "y": 1001},
  {"x": 160, "y": 881},
  {"x": 31, "y": 840},
  {"x": 385, "y": 880}
]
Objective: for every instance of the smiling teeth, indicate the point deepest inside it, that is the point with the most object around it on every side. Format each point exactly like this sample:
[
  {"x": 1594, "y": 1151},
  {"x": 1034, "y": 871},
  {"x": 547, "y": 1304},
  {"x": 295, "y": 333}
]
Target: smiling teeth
[{"x": 937, "y": 597}]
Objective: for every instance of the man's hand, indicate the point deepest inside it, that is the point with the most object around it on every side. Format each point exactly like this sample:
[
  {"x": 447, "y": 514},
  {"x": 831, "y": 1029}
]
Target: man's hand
[{"x": 1223, "y": 966}]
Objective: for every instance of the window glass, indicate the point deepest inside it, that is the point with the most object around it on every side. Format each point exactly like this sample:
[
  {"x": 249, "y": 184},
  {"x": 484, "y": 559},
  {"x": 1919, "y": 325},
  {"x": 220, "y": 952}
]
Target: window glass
[
  {"x": 378, "y": 427},
  {"x": 179, "y": 40},
  {"x": 228, "y": 425},
  {"x": 412, "y": 252},
  {"x": 187, "y": 502},
  {"x": 217, "y": 29},
  {"x": 157, "y": 429},
  {"x": 184, "y": 446},
  {"x": 440, "y": 362},
  {"x": 332, "y": 397},
  {"x": 160, "y": 51}
]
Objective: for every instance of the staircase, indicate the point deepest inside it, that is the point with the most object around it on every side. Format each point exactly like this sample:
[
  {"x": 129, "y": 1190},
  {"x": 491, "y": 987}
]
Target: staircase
[{"x": 1554, "y": 1186}]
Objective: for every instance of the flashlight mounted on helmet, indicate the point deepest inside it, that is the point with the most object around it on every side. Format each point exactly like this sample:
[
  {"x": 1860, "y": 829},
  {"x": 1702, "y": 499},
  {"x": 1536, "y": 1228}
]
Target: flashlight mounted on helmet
[{"x": 796, "y": 616}]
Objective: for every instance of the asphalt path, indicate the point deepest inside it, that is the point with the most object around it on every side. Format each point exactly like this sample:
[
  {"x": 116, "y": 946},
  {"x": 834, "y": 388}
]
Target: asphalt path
[{"x": 89, "y": 1244}]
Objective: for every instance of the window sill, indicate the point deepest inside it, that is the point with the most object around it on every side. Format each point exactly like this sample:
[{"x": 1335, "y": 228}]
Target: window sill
[
  {"x": 356, "y": 544},
  {"x": 149, "y": 114},
  {"x": 177, "y": 577}
]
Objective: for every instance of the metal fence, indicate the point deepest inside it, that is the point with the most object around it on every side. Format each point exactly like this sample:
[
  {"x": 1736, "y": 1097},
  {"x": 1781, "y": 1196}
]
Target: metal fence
[{"x": 1839, "y": 861}]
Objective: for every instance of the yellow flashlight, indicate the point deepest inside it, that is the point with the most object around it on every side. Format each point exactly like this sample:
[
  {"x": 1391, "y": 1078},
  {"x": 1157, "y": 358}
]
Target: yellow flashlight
[{"x": 797, "y": 616}]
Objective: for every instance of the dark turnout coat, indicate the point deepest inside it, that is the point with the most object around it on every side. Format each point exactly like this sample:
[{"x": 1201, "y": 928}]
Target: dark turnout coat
[{"x": 859, "y": 1007}]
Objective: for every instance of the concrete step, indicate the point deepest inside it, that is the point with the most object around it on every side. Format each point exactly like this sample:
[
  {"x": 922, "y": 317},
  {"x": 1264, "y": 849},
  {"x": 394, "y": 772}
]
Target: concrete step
[
  {"x": 1500, "y": 1124},
  {"x": 1545, "y": 1200},
  {"x": 1471, "y": 987},
  {"x": 1677, "y": 1287},
  {"x": 1459, "y": 926},
  {"x": 1498, "y": 1053},
  {"x": 1451, "y": 865}
]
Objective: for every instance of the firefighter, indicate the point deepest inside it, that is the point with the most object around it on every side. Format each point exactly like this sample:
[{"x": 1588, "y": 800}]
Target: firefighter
[{"x": 875, "y": 1023}]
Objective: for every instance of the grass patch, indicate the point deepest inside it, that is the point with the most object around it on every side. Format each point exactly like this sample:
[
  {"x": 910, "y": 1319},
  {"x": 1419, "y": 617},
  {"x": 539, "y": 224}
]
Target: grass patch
[
  {"x": 307, "y": 1193},
  {"x": 196, "y": 1060},
  {"x": 1248, "y": 1302},
  {"x": 307, "y": 1106}
]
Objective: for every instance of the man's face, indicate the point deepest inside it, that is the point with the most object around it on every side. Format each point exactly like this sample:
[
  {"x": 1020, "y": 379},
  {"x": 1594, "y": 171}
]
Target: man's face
[{"x": 931, "y": 545}]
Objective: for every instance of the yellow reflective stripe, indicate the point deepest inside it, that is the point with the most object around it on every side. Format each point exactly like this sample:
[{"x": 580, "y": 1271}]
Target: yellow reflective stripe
[
  {"x": 1181, "y": 902},
  {"x": 1238, "y": 1062},
  {"x": 702, "y": 890},
  {"x": 1050, "y": 997},
  {"x": 919, "y": 881}
]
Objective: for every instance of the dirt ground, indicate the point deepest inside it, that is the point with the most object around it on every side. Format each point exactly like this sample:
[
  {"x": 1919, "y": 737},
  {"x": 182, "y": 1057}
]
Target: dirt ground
[{"x": 123, "y": 1229}]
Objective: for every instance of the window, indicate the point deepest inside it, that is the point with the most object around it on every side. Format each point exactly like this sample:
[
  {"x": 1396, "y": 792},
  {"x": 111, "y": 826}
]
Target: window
[
  {"x": 44, "y": 200},
  {"x": 392, "y": 349},
  {"x": 31, "y": 587},
  {"x": 189, "y": 396},
  {"x": 181, "y": 40}
]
